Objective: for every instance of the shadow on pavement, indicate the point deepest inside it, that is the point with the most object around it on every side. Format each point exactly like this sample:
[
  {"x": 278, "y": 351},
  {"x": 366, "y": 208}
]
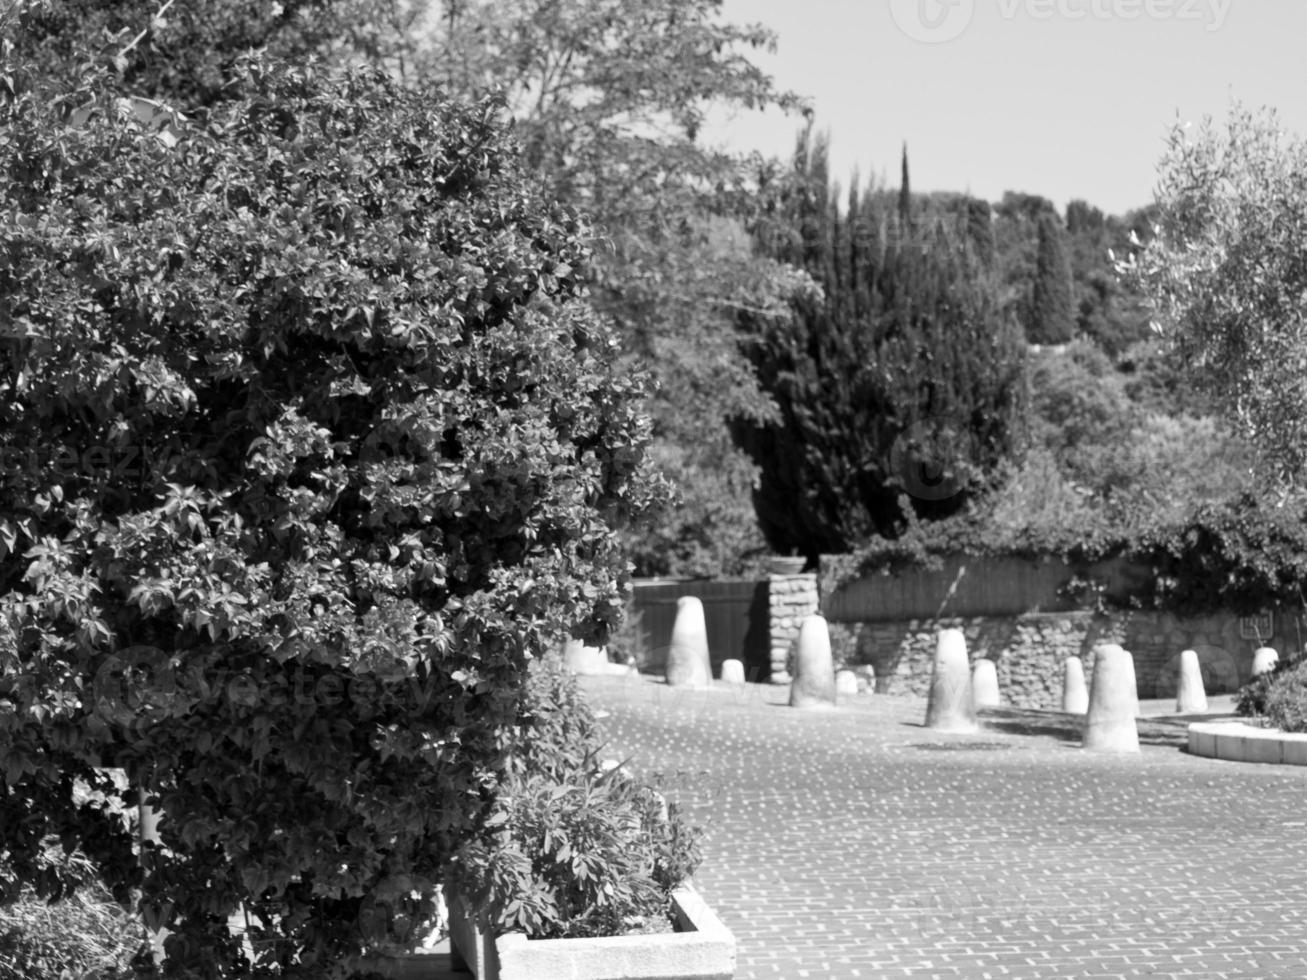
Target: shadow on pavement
[{"x": 1069, "y": 728}]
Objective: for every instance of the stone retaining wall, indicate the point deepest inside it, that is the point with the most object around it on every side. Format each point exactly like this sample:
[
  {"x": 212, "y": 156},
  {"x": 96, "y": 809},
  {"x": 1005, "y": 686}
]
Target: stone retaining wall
[{"x": 1030, "y": 649}]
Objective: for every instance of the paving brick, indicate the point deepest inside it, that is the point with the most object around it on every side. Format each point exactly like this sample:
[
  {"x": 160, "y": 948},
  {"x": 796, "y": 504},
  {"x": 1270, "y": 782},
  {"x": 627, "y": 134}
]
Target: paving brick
[{"x": 856, "y": 843}]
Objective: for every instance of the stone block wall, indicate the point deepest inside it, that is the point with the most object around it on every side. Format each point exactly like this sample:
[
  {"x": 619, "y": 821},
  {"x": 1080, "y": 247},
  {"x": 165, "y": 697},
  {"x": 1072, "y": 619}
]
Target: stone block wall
[
  {"x": 790, "y": 599},
  {"x": 1030, "y": 649}
]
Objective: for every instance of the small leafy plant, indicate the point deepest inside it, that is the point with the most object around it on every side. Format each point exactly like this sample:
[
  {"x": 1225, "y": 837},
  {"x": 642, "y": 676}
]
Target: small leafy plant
[
  {"x": 84, "y": 934},
  {"x": 574, "y": 849},
  {"x": 1279, "y": 696}
]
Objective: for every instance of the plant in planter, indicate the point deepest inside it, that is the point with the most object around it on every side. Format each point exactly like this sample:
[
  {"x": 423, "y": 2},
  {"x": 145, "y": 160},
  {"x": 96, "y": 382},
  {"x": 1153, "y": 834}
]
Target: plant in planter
[
  {"x": 309, "y": 440},
  {"x": 576, "y": 851},
  {"x": 1278, "y": 696},
  {"x": 572, "y": 848}
]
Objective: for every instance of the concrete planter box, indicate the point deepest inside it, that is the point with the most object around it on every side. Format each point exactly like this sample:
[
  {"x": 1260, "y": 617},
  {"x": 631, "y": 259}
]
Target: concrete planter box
[
  {"x": 1235, "y": 741},
  {"x": 701, "y": 949}
]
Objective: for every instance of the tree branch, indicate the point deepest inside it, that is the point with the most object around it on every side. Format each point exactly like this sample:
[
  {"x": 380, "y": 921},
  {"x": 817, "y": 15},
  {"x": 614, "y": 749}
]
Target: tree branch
[{"x": 141, "y": 36}]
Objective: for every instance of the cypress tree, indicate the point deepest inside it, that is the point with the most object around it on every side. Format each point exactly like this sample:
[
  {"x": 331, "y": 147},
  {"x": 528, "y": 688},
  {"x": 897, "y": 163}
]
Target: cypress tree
[
  {"x": 902, "y": 377},
  {"x": 1052, "y": 310},
  {"x": 979, "y": 227},
  {"x": 905, "y": 192}
]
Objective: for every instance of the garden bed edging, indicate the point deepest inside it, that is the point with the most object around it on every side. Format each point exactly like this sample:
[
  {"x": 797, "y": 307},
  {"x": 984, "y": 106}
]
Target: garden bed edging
[{"x": 702, "y": 949}]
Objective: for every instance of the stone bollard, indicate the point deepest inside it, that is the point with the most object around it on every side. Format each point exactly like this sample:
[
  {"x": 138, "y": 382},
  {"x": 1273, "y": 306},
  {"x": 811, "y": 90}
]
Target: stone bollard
[
  {"x": 584, "y": 660},
  {"x": 814, "y": 669},
  {"x": 846, "y": 684},
  {"x": 688, "y": 664},
  {"x": 733, "y": 671},
  {"x": 1264, "y": 660},
  {"x": 950, "y": 708},
  {"x": 984, "y": 684},
  {"x": 1113, "y": 700},
  {"x": 1190, "y": 697},
  {"x": 1075, "y": 695}
]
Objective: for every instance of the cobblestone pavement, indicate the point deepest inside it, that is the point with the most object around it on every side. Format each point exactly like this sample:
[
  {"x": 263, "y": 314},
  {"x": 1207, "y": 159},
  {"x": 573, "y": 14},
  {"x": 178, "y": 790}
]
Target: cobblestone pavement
[{"x": 854, "y": 842}]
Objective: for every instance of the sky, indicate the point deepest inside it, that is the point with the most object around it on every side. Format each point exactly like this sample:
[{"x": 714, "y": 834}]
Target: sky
[{"x": 1064, "y": 98}]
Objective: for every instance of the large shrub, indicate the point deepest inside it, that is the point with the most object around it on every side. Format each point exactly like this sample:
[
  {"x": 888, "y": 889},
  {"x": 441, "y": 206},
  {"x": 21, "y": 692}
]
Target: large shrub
[
  {"x": 308, "y": 439},
  {"x": 1279, "y": 696},
  {"x": 902, "y": 378},
  {"x": 576, "y": 848}
]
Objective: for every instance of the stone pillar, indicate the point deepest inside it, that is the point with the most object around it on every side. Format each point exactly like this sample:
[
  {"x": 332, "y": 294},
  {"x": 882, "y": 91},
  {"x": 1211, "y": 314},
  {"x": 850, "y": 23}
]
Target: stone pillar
[
  {"x": 984, "y": 684},
  {"x": 950, "y": 708},
  {"x": 1113, "y": 703},
  {"x": 1264, "y": 660},
  {"x": 1190, "y": 697},
  {"x": 814, "y": 670},
  {"x": 846, "y": 684},
  {"x": 791, "y": 599},
  {"x": 688, "y": 663},
  {"x": 584, "y": 660},
  {"x": 1075, "y": 693}
]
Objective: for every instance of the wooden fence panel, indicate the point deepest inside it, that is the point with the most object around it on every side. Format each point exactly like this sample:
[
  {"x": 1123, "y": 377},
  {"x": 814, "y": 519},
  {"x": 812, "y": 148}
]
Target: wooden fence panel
[{"x": 735, "y": 612}]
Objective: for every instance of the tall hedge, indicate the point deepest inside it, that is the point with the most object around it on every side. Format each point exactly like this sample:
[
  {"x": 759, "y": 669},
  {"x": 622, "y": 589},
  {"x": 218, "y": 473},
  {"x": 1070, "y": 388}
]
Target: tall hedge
[
  {"x": 1052, "y": 306},
  {"x": 902, "y": 381},
  {"x": 308, "y": 440}
]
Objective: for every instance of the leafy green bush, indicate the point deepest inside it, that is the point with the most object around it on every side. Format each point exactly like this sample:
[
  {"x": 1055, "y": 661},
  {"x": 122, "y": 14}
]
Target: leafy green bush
[
  {"x": 1279, "y": 696},
  {"x": 573, "y": 848},
  {"x": 84, "y": 934},
  {"x": 1251, "y": 702},
  {"x": 308, "y": 440},
  {"x": 1286, "y": 699}
]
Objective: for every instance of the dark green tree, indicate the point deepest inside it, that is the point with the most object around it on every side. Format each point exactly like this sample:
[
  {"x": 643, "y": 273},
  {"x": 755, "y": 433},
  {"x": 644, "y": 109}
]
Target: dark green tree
[
  {"x": 1052, "y": 311},
  {"x": 188, "y": 54},
  {"x": 904, "y": 378},
  {"x": 609, "y": 99},
  {"x": 905, "y": 191},
  {"x": 310, "y": 442},
  {"x": 980, "y": 229}
]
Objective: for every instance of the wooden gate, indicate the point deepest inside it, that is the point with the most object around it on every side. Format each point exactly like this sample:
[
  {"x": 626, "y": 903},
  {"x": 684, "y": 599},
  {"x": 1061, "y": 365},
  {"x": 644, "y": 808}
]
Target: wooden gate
[{"x": 735, "y": 612}]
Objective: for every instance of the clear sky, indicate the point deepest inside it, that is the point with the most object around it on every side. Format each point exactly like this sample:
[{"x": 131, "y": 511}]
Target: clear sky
[{"x": 1064, "y": 98}]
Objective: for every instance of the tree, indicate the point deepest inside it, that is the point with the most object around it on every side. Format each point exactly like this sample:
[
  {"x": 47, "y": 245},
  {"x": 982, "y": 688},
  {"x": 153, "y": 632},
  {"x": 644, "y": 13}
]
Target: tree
[
  {"x": 1225, "y": 276},
  {"x": 310, "y": 442},
  {"x": 1107, "y": 311},
  {"x": 980, "y": 230},
  {"x": 188, "y": 54},
  {"x": 608, "y": 98},
  {"x": 1052, "y": 319},
  {"x": 905, "y": 191},
  {"x": 902, "y": 380}
]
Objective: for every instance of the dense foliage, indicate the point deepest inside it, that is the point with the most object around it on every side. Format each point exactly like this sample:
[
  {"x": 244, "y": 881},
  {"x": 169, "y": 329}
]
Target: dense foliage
[
  {"x": 1252, "y": 699},
  {"x": 1052, "y": 318},
  {"x": 309, "y": 442},
  {"x": 1283, "y": 696},
  {"x": 610, "y": 99},
  {"x": 1239, "y": 554},
  {"x": 576, "y": 848},
  {"x": 1226, "y": 278},
  {"x": 84, "y": 934},
  {"x": 902, "y": 377},
  {"x": 189, "y": 54}
]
